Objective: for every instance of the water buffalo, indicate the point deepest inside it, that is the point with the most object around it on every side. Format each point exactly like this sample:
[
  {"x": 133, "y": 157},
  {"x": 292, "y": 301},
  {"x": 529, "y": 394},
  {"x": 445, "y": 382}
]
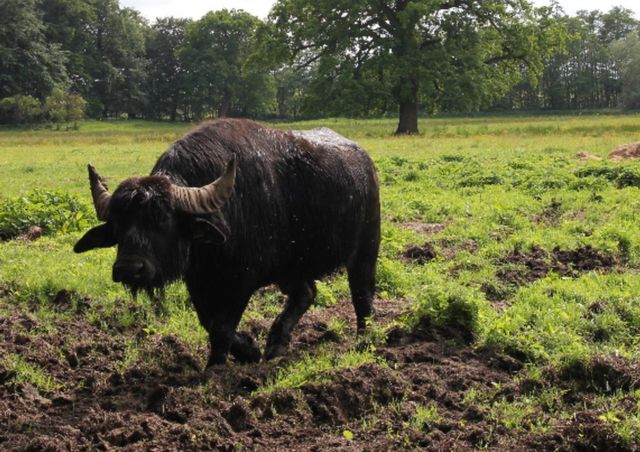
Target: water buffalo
[{"x": 285, "y": 208}]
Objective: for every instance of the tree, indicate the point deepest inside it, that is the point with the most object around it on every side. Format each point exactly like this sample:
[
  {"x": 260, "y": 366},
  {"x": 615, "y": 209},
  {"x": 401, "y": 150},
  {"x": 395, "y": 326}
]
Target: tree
[
  {"x": 221, "y": 79},
  {"x": 76, "y": 108},
  {"x": 56, "y": 107},
  {"x": 166, "y": 69},
  {"x": 29, "y": 64},
  {"x": 118, "y": 66},
  {"x": 64, "y": 107},
  {"x": 20, "y": 109},
  {"x": 68, "y": 24},
  {"x": 626, "y": 53},
  {"x": 457, "y": 53}
]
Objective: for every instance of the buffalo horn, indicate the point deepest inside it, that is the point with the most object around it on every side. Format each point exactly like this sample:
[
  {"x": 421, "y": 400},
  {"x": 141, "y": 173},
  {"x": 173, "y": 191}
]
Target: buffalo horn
[
  {"x": 100, "y": 194},
  {"x": 209, "y": 198}
]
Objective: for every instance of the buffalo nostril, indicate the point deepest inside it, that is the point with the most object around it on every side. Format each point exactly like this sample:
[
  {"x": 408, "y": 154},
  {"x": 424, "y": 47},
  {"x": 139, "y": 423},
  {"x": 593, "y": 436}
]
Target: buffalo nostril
[
  {"x": 128, "y": 271},
  {"x": 136, "y": 268}
]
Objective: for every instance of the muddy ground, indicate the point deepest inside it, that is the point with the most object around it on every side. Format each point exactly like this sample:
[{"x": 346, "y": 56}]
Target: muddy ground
[{"x": 162, "y": 400}]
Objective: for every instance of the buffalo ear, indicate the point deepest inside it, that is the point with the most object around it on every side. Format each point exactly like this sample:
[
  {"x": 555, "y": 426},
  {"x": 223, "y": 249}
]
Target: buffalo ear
[
  {"x": 205, "y": 231},
  {"x": 98, "y": 237}
]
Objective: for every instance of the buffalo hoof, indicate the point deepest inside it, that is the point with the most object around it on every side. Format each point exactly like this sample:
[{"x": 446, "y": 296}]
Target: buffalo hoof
[
  {"x": 216, "y": 360},
  {"x": 212, "y": 370},
  {"x": 274, "y": 350},
  {"x": 244, "y": 349}
]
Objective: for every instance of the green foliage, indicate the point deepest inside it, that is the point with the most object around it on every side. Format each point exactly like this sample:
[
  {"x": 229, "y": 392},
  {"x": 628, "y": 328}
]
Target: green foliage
[
  {"x": 626, "y": 54},
  {"x": 55, "y": 106},
  {"x": 391, "y": 278},
  {"x": 425, "y": 417},
  {"x": 63, "y": 107},
  {"x": 166, "y": 80},
  {"x": 30, "y": 65},
  {"x": 324, "y": 295},
  {"x": 315, "y": 59},
  {"x": 450, "y": 309},
  {"x": 411, "y": 51},
  {"x": 222, "y": 80},
  {"x": 587, "y": 72},
  {"x": 25, "y": 372},
  {"x": 53, "y": 211},
  {"x": 20, "y": 110}
]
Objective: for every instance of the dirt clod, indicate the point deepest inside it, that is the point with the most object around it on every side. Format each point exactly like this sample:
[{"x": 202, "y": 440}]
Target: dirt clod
[
  {"x": 421, "y": 254},
  {"x": 602, "y": 374},
  {"x": 584, "y": 155},
  {"x": 34, "y": 232},
  {"x": 238, "y": 415},
  {"x": 628, "y": 151}
]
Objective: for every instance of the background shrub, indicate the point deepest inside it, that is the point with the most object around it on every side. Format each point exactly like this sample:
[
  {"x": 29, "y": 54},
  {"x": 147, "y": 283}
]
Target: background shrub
[{"x": 53, "y": 211}]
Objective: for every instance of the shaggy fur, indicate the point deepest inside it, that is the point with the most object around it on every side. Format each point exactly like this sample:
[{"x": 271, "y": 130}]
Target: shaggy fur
[{"x": 301, "y": 208}]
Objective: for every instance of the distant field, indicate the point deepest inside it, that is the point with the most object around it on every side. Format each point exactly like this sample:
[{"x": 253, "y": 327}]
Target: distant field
[{"x": 508, "y": 299}]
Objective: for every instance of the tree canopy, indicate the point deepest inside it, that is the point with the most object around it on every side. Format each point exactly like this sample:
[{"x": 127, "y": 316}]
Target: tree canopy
[
  {"x": 220, "y": 76},
  {"x": 321, "y": 58},
  {"x": 452, "y": 54},
  {"x": 29, "y": 64}
]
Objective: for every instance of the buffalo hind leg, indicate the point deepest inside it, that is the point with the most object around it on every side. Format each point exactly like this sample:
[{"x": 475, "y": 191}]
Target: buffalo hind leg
[
  {"x": 362, "y": 283},
  {"x": 299, "y": 299}
]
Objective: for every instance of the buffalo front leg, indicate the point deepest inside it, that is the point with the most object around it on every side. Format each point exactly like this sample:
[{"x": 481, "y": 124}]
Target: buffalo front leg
[
  {"x": 222, "y": 333},
  {"x": 299, "y": 299},
  {"x": 221, "y": 322}
]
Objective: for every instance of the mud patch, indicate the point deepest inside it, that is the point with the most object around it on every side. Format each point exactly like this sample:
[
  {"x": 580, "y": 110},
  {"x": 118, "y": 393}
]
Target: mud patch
[
  {"x": 520, "y": 267},
  {"x": 524, "y": 267},
  {"x": 551, "y": 213},
  {"x": 420, "y": 254},
  {"x": 628, "y": 151},
  {"x": 127, "y": 389},
  {"x": 587, "y": 431},
  {"x": 353, "y": 393},
  {"x": 601, "y": 374},
  {"x": 451, "y": 248}
]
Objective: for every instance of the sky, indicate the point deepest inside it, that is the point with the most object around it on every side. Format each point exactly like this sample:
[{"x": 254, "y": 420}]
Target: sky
[{"x": 197, "y": 8}]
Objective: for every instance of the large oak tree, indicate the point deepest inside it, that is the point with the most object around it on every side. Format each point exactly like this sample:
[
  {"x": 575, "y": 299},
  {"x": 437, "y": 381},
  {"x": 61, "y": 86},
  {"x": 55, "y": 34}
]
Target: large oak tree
[{"x": 456, "y": 53}]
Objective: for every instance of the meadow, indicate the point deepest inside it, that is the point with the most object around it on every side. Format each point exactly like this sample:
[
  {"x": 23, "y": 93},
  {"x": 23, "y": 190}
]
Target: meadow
[{"x": 508, "y": 302}]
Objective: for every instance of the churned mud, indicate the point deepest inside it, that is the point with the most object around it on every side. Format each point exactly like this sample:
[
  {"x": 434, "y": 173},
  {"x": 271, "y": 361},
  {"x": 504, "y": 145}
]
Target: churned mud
[
  {"x": 521, "y": 267},
  {"x": 114, "y": 387},
  {"x": 421, "y": 254}
]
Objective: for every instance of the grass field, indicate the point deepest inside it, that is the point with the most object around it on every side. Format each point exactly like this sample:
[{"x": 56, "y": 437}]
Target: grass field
[{"x": 508, "y": 300}]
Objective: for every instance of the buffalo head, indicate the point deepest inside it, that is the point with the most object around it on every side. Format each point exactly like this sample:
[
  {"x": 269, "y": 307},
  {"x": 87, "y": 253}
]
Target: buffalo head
[{"x": 153, "y": 221}]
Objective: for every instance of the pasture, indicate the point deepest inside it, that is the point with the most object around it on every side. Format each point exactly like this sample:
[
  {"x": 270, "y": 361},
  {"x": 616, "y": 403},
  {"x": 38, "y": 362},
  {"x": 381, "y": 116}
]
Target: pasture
[{"x": 508, "y": 302}]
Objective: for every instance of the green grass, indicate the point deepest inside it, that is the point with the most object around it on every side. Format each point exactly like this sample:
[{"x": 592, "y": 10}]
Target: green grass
[
  {"x": 25, "y": 372},
  {"x": 316, "y": 368},
  {"x": 425, "y": 417}
]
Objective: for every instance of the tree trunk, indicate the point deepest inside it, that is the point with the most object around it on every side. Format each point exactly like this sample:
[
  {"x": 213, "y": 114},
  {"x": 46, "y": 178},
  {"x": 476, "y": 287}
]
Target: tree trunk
[
  {"x": 174, "y": 110},
  {"x": 408, "y": 123},
  {"x": 225, "y": 105}
]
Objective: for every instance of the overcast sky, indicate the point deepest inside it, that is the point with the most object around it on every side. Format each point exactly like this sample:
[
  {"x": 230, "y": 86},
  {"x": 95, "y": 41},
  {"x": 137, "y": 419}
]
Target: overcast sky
[{"x": 196, "y": 8}]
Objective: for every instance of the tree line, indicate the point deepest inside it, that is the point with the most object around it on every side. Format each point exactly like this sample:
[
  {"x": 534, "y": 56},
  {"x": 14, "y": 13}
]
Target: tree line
[{"x": 313, "y": 58}]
